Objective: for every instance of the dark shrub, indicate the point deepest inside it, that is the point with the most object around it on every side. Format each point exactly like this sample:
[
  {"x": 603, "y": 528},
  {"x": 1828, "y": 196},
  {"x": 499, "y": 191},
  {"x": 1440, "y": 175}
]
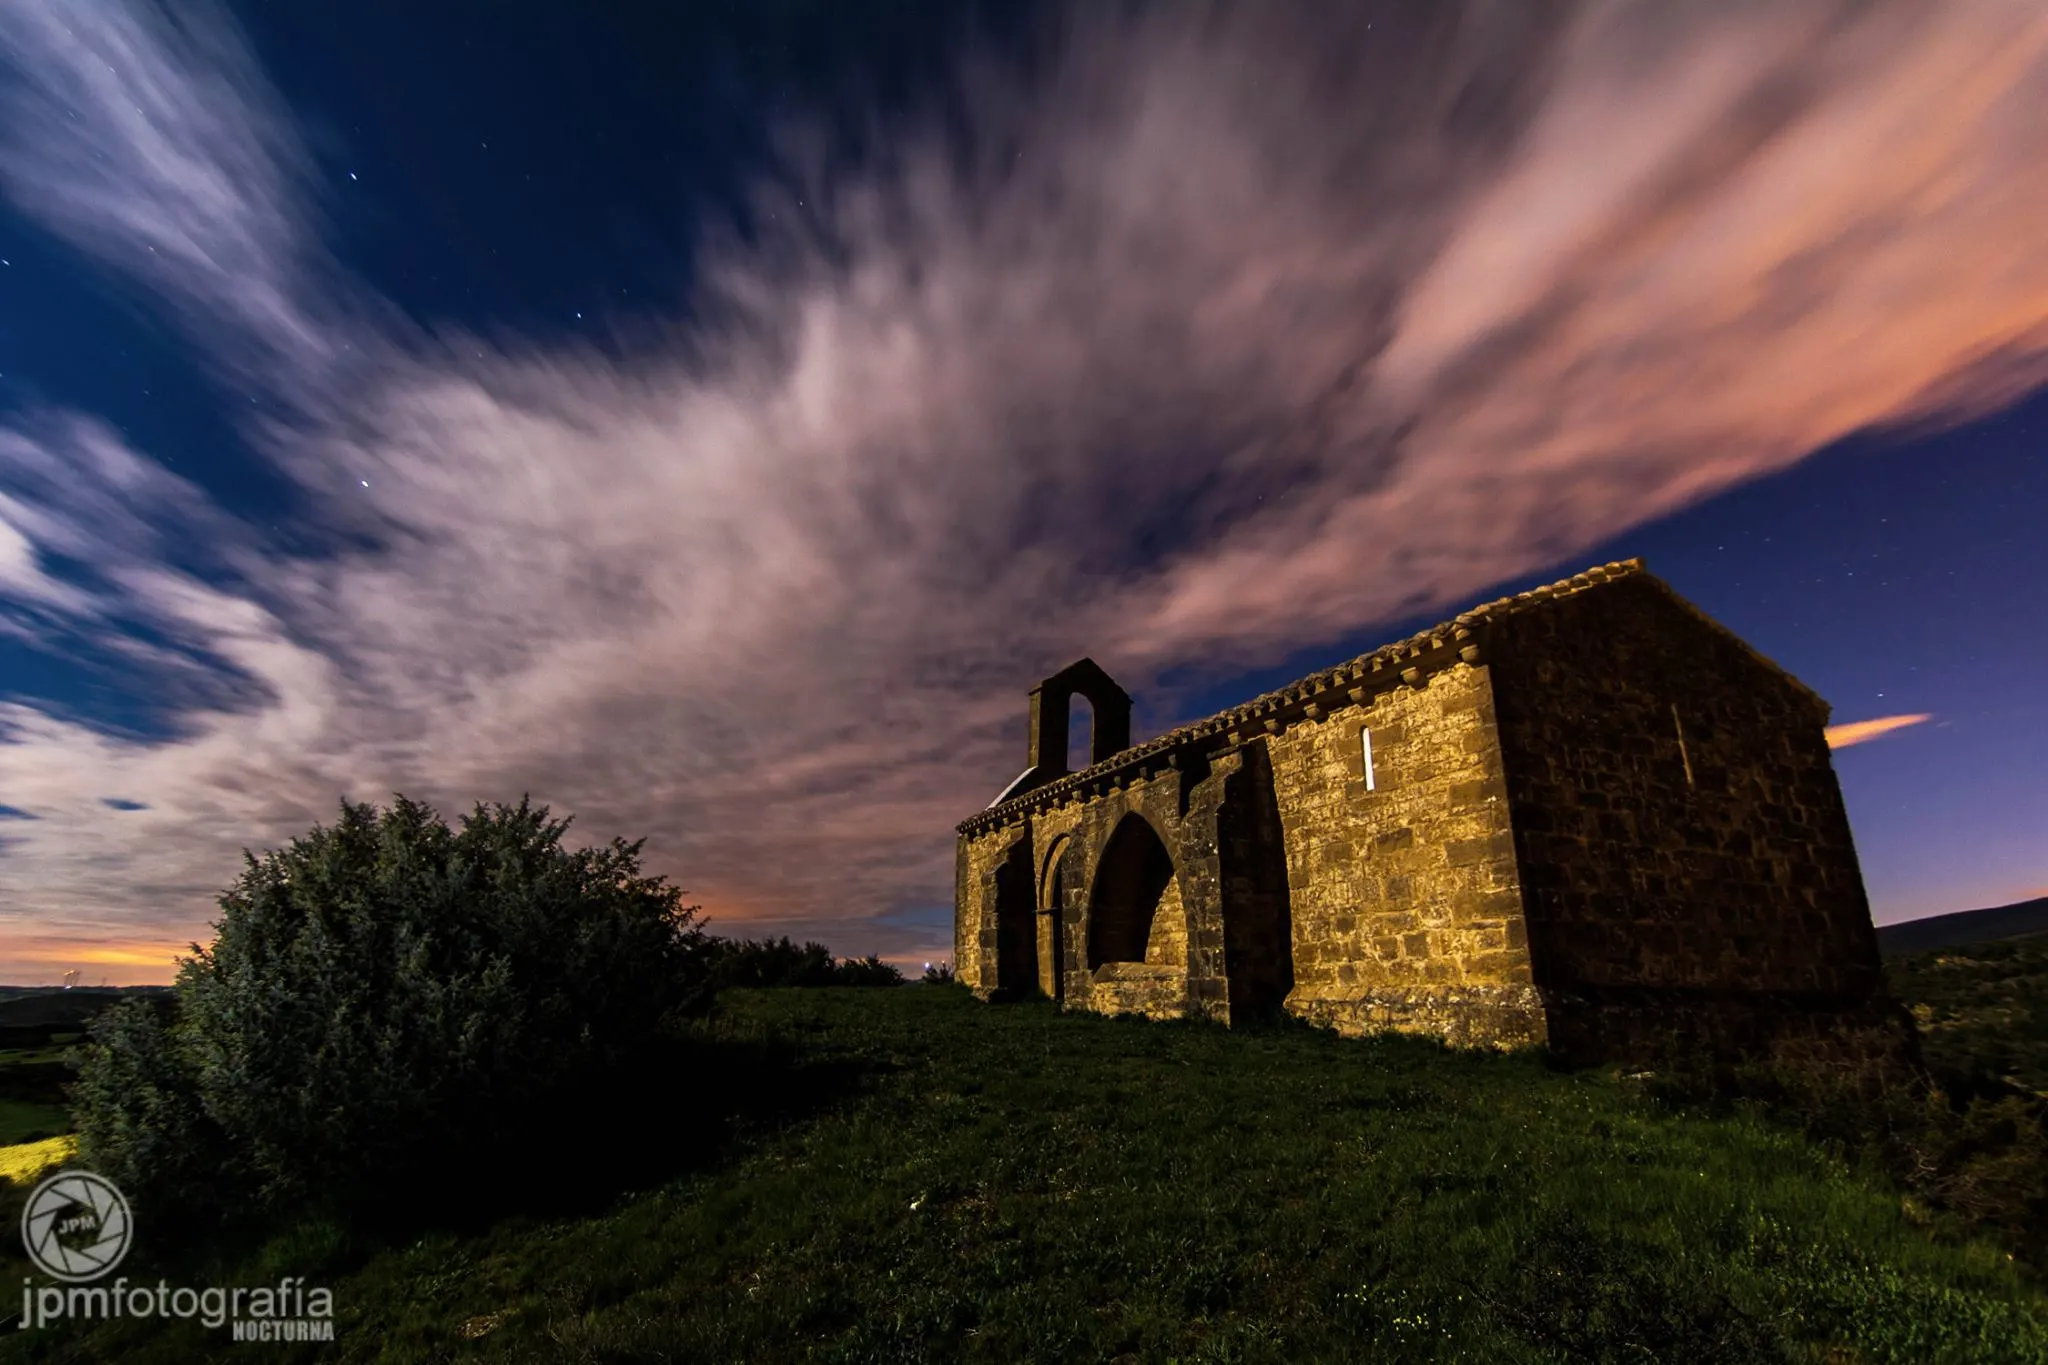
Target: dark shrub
[
  {"x": 939, "y": 974},
  {"x": 386, "y": 1011},
  {"x": 780, "y": 962},
  {"x": 868, "y": 971}
]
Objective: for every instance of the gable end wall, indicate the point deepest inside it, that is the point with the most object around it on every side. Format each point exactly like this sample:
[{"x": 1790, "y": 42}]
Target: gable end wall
[{"x": 1724, "y": 902}]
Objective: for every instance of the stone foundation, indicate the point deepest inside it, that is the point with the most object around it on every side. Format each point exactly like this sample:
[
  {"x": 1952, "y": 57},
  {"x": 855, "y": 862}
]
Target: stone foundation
[
  {"x": 1156, "y": 990},
  {"x": 1463, "y": 1016}
]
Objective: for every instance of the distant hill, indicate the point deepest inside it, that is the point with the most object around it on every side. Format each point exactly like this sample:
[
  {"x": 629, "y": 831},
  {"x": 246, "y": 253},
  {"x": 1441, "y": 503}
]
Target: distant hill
[
  {"x": 1965, "y": 926},
  {"x": 31, "y": 1016}
]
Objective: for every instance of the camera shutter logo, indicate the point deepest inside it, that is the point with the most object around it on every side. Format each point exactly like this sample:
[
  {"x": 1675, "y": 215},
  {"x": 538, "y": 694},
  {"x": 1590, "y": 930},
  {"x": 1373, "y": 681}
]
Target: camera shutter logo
[{"x": 76, "y": 1226}]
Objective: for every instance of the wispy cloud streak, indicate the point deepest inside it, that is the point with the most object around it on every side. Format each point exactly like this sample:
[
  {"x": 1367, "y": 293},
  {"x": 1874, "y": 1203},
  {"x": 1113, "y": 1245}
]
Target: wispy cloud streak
[
  {"x": 1863, "y": 731},
  {"x": 1266, "y": 324},
  {"x": 148, "y": 136}
]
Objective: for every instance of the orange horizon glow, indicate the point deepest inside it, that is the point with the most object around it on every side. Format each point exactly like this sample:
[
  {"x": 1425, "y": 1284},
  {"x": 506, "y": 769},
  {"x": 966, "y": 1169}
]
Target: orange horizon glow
[
  {"x": 1861, "y": 731},
  {"x": 148, "y": 962},
  {"x": 155, "y": 963}
]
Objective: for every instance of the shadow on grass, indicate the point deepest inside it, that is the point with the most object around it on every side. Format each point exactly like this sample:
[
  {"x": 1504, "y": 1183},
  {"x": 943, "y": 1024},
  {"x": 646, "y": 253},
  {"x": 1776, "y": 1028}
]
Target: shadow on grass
[
  {"x": 699, "y": 1099},
  {"x": 696, "y": 1102},
  {"x": 690, "y": 1105}
]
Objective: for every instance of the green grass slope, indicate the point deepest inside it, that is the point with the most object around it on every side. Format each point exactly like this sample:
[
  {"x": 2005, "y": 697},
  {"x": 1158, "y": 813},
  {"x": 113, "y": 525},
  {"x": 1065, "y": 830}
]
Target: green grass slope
[
  {"x": 1010, "y": 1184},
  {"x": 32, "y": 1098}
]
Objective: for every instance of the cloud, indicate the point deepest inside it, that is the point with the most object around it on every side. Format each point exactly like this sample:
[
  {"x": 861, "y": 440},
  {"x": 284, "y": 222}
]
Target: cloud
[
  {"x": 149, "y": 137},
  {"x": 1862, "y": 731},
  {"x": 1221, "y": 332}
]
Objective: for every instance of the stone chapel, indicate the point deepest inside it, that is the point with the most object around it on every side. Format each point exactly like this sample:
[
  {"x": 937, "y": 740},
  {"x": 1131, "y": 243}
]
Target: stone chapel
[{"x": 1579, "y": 817}]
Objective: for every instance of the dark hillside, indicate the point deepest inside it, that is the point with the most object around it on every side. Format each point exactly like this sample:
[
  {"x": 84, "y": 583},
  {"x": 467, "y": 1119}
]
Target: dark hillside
[
  {"x": 1006, "y": 1184},
  {"x": 1965, "y": 926}
]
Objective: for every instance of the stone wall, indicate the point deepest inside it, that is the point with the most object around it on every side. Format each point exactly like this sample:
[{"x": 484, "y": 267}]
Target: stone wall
[
  {"x": 1397, "y": 907},
  {"x": 976, "y": 863},
  {"x": 1167, "y": 944},
  {"x": 1687, "y": 867},
  {"x": 1404, "y": 899}
]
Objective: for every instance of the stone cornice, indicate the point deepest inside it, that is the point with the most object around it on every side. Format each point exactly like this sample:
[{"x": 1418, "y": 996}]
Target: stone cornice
[{"x": 1403, "y": 663}]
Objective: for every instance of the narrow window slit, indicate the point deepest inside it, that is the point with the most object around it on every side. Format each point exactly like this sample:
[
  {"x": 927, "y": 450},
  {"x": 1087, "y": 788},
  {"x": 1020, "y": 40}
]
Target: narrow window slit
[
  {"x": 1365, "y": 749},
  {"x": 1683, "y": 756}
]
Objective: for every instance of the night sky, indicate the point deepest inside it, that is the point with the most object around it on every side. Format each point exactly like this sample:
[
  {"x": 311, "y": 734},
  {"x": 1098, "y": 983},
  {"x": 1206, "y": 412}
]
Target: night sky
[{"x": 713, "y": 419}]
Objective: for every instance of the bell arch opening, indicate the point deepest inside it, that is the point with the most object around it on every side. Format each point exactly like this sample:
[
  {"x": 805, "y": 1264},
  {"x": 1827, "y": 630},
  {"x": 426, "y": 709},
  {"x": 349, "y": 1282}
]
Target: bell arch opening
[
  {"x": 1109, "y": 719},
  {"x": 1130, "y": 882},
  {"x": 1080, "y": 734}
]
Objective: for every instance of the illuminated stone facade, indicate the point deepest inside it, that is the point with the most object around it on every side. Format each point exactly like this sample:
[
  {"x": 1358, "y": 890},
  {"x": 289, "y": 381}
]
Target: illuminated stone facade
[{"x": 1582, "y": 816}]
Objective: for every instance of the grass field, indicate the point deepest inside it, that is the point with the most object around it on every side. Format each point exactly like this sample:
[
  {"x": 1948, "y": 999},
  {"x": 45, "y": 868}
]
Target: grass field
[
  {"x": 26, "y": 1121},
  {"x": 1009, "y": 1184},
  {"x": 32, "y": 1092},
  {"x": 24, "y": 1163}
]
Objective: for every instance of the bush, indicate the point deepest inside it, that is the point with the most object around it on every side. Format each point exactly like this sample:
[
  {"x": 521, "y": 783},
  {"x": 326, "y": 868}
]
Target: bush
[
  {"x": 140, "y": 1118},
  {"x": 386, "y": 1007},
  {"x": 939, "y": 974},
  {"x": 868, "y": 971}
]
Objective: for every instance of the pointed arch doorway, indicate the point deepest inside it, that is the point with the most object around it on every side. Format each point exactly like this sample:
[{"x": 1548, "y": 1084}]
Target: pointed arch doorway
[
  {"x": 1052, "y": 921},
  {"x": 1016, "y": 926}
]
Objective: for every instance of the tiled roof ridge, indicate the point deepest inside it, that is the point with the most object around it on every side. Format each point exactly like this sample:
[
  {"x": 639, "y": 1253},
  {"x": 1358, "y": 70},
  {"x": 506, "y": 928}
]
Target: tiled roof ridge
[{"x": 1255, "y": 711}]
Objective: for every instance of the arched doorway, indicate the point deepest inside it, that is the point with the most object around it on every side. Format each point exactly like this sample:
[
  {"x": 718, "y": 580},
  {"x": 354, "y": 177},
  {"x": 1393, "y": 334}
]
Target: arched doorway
[
  {"x": 1132, "y": 879},
  {"x": 1052, "y": 918},
  {"x": 1016, "y": 924}
]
